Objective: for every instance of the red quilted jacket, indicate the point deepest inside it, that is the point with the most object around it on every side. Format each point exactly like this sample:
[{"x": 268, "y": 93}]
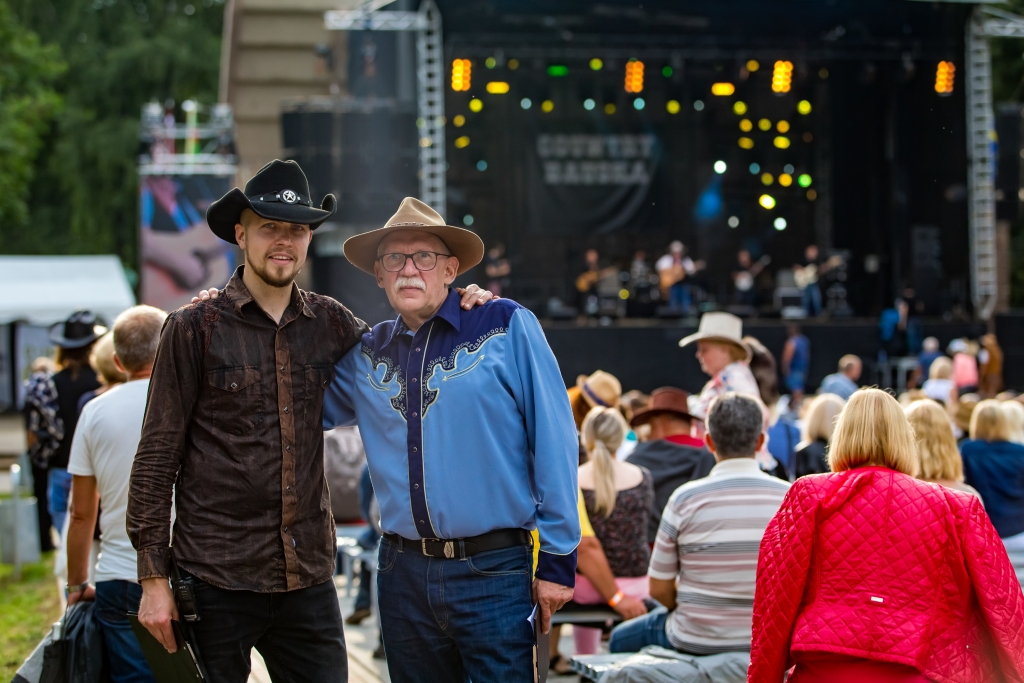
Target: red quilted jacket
[{"x": 876, "y": 564}]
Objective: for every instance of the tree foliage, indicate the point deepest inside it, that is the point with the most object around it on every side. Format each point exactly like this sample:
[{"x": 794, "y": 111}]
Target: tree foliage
[{"x": 120, "y": 54}]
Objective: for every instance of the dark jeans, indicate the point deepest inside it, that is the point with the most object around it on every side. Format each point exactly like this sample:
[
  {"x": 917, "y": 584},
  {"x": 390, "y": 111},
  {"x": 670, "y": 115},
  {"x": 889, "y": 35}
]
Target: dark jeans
[
  {"x": 636, "y": 634},
  {"x": 114, "y": 599},
  {"x": 455, "y": 620},
  {"x": 41, "y": 490},
  {"x": 299, "y": 634}
]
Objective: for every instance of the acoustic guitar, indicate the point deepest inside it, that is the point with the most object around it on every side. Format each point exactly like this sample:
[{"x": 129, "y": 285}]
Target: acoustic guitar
[
  {"x": 676, "y": 273},
  {"x": 586, "y": 281},
  {"x": 808, "y": 275},
  {"x": 744, "y": 279}
]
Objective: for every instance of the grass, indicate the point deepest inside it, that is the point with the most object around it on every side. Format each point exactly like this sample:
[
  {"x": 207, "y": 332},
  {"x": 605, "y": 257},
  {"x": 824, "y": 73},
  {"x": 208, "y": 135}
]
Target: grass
[{"x": 28, "y": 609}]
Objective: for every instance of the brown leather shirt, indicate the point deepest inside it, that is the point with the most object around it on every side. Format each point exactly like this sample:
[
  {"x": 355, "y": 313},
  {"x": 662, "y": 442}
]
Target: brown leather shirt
[{"x": 233, "y": 428}]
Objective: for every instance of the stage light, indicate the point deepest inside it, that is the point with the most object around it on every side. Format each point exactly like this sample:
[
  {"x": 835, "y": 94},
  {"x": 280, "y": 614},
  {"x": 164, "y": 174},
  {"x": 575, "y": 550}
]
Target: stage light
[
  {"x": 425, "y": 141},
  {"x": 812, "y": 194},
  {"x": 808, "y": 137},
  {"x": 634, "y": 76},
  {"x": 698, "y": 105},
  {"x": 667, "y": 71},
  {"x": 767, "y": 179},
  {"x": 547, "y": 106},
  {"x": 722, "y": 89},
  {"x": 481, "y": 165},
  {"x": 780, "y": 223},
  {"x": 512, "y": 64},
  {"x": 558, "y": 70},
  {"x": 746, "y": 126},
  {"x": 596, "y": 64},
  {"x": 781, "y": 141},
  {"x": 746, "y": 143},
  {"x": 785, "y": 180},
  {"x": 753, "y": 65},
  {"x": 822, "y": 73},
  {"x": 497, "y": 87},
  {"x": 782, "y": 76},
  {"x": 526, "y": 103},
  {"x": 804, "y": 107},
  {"x": 623, "y": 294},
  {"x": 767, "y": 201},
  {"x": 462, "y": 142},
  {"x": 476, "y": 105},
  {"x": 672, "y": 106},
  {"x": 764, "y": 124},
  {"x": 945, "y": 74},
  {"x": 782, "y": 126},
  {"x": 467, "y": 220},
  {"x": 588, "y": 104},
  {"x": 739, "y": 107},
  {"x": 788, "y": 168},
  {"x": 755, "y": 168},
  {"x": 639, "y": 103},
  {"x": 459, "y": 120},
  {"x": 803, "y": 180},
  {"x": 609, "y": 108},
  {"x": 734, "y": 221},
  {"x": 490, "y": 62},
  {"x": 461, "y": 74},
  {"x": 720, "y": 167}
]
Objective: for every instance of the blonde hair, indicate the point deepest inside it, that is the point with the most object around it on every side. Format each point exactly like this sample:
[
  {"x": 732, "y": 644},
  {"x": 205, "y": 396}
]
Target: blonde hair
[
  {"x": 820, "y": 421},
  {"x": 989, "y": 423},
  {"x": 603, "y": 431},
  {"x": 1014, "y": 413},
  {"x": 936, "y": 445},
  {"x": 872, "y": 430},
  {"x": 102, "y": 360},
  {"x": 941, "y": 368}
]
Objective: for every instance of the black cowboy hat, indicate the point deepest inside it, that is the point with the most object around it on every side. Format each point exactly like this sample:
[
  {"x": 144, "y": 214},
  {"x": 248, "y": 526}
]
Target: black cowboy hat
[
  {"x": 80, "y": 329},
  {"x": 279, "y": 191}
]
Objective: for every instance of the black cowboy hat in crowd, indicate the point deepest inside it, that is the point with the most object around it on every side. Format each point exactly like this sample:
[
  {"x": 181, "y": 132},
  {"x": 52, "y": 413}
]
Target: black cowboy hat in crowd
[
  {"x": 80, "y": 329},
  {"x": 279, "y": 191}
]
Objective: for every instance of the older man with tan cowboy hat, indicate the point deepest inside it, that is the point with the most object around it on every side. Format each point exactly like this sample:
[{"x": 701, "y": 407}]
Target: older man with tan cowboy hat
[
  {"x": 724, "y": 356},
  {"x": 470, "y": 443}
]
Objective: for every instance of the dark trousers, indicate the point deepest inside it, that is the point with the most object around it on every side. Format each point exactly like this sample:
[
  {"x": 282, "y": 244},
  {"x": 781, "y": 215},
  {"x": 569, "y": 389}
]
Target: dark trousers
[
  {"x": 452, "y": 621},
  {"x": 114, "y": 599},
  {"x": 299, "y": 634},
  {"x": 40, "y": 489}
]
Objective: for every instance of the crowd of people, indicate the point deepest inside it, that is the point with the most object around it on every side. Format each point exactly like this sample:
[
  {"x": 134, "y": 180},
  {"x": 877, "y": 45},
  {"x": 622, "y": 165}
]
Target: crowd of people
[{"x": 850, "y": 535}]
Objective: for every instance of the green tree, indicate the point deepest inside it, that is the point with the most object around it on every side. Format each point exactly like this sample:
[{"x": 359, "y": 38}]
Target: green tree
[
  {"x": 28, "y": 104},
  {"x": 120, "y": 55}
]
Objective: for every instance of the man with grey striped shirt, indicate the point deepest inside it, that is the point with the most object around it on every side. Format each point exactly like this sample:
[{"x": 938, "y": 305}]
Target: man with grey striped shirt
[{"x": 704, "y": 562}]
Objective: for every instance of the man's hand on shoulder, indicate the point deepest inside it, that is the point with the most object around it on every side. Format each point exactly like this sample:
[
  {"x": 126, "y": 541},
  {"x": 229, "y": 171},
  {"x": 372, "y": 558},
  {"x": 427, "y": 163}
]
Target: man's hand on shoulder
[
  {"x": 206, "y": 295},
  {"x": 550, "y": 597},
  {"x": 471, "y": 296}
]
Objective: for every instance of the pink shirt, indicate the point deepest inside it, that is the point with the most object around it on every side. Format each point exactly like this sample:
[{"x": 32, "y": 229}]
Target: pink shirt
[{"x": 965, "y": 370}]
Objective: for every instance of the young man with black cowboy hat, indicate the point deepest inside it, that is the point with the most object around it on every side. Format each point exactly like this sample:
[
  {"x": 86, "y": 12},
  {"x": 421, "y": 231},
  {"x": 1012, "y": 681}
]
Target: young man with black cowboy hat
[
  {"x": 471, "y": 445},
  {"x": 233, "y": 429}
]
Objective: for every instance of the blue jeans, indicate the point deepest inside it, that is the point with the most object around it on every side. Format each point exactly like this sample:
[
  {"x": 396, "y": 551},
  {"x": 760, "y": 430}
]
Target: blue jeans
[
  {"x": 456, "y": 620},
  {"x": 679, "y": 297},
  {"x": 114, "y": 599},
  {"x": 810, "y": 299},
  {"x": 57, "y": 495},
  {"x": 636, "y": 634}
]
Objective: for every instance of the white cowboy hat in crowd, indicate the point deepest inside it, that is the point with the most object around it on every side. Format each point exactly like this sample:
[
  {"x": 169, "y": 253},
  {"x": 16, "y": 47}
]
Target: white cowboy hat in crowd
[{"x": 720, "y": 327}]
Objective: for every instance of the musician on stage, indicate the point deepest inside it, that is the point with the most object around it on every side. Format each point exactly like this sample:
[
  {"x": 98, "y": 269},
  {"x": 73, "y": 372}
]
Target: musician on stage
[
  {"x": 743, "y": 274},
  {"x": 586, "y": 282},
  {"x": 806, "y": 272},
  {"x": 673, "y": 270}
]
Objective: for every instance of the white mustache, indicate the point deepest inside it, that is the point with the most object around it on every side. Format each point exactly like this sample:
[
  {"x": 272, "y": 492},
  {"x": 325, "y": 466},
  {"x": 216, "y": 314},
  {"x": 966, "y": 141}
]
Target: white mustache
[{"x": 409, "y": 282}]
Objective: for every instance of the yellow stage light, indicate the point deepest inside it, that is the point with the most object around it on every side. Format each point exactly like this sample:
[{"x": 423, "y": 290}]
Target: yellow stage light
[
  {"x": 426, "y": 142},
  {"x": 497, "y": 87},
  {"x": 512, "y": 64},
  {"x": 623, "y": 294},
  {"x": 459, "y": 120},
  {"x": 672, "y": 107},
  {"x": 462, "y": 142},
  {"x": 596, "y": 64},
  {"x": 785, "y": 180},
  {"x": 945, "y": 74},
  {"x": 753, "y": 65},
  {"x": 782, "y": 142},
  {"x": 722, "y": 89},
  {"x": 490, "y": 62},
  {"x": 547, "y": 106},
  {"x": 804, "y": 107},
  {"x": 746, "y": 125},
  {"x": 767, "y": 178},
  {"x": 746, "y": 143},
  {"x": 782, "y": 126},
  {"x": 609, "y": 108},
  {"x": 782, "y": 76},
  {"x": 767, "y": 201},
  {"x": 634, "y": 76},
  {"x": 461, "y": 72},
  {"x": 476, "y": 105},
  {"x": 764, "y": 124},
  {"x": 739, "y": 108}
]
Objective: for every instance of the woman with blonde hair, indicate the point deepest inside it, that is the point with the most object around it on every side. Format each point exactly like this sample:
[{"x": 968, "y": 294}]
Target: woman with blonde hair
[
  {"x": 936, "y": 446},
  {"x": 995, "y": 466},
  {"x": 819, "y": 423},
  {"x": 1014, "y": 412},
  {"x": 618, "y": 497},
  {"x": 869, "y": 574},
  {"x": 940, "y": 385}
]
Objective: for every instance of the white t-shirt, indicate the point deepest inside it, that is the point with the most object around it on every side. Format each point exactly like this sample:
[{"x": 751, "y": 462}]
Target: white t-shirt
[
  {"x": 104, "y": 446},
  {"x": 666, "y": 262}
]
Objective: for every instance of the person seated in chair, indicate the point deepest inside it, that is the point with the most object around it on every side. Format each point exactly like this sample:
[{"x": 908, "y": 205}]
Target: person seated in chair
[{"x": 705, "y": 558}]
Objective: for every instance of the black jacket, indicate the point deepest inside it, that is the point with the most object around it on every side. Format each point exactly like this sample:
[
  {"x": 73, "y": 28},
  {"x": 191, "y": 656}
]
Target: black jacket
[
  {"x": 811, "y": 459},
  {"x": 671, "y": 465}
]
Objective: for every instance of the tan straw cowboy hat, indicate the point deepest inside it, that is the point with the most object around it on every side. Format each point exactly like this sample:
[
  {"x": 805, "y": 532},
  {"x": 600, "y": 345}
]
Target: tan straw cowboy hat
[
  {"x": 361, "y": 250},
  {"x": 720, "y": 327},
  {"x": 600, "y": 389}
]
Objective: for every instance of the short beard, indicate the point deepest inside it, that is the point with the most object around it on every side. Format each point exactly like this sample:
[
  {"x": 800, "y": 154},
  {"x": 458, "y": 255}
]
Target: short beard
[{"x": 261, "y": 273}]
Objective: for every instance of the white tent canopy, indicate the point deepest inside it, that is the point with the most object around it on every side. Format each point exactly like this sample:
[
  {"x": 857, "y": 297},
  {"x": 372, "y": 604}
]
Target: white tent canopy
[{"x": 43, "y": 290}]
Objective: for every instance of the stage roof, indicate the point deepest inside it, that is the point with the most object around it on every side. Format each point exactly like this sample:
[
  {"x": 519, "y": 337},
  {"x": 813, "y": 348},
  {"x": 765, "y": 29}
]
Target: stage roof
[{"x": 43, "y": 290}]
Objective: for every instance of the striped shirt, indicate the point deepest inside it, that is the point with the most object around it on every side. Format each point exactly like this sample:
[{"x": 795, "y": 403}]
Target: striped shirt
[{"x": 708, "y": 543}]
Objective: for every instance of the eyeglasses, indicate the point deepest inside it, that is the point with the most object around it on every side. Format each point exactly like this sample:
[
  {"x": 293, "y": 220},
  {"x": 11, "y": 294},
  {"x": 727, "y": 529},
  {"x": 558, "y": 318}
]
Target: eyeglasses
[{"x": 423, "y": 260}]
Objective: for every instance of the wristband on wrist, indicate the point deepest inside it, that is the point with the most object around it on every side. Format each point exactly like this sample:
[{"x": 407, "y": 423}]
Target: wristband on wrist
[
  {"x": 77, "y": 588},
  {"x": 616, "y": 599}
]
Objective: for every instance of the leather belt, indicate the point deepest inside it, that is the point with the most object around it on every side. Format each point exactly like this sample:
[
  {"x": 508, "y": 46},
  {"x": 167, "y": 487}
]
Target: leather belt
[{"x": 461, "y": 548}]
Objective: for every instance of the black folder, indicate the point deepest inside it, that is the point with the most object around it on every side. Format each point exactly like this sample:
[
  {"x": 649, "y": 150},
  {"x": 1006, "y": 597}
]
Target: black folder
[{"x": 179, "y": 666}]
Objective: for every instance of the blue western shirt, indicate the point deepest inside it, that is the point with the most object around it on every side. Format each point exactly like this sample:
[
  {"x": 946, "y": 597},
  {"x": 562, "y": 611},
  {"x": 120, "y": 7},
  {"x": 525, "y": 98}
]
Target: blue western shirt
[{"x": 467, "y": 428}]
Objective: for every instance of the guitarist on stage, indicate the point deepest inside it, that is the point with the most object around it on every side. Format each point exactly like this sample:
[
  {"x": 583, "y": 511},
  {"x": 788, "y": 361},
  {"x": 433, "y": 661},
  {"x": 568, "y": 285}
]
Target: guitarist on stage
[
  {"x": 807, "y": 273},
  {"x": 586, "y": 282},
  {"x": 743, "y": 274},
  {"x": 673, "y": 270}
]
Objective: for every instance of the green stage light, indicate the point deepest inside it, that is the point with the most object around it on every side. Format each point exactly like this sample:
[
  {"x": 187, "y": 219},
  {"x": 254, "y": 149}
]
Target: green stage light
[
  {"x": 558, "y": 70},
  {"x": 803, "y": 180},
  {"x": 666, "y": 71}
]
